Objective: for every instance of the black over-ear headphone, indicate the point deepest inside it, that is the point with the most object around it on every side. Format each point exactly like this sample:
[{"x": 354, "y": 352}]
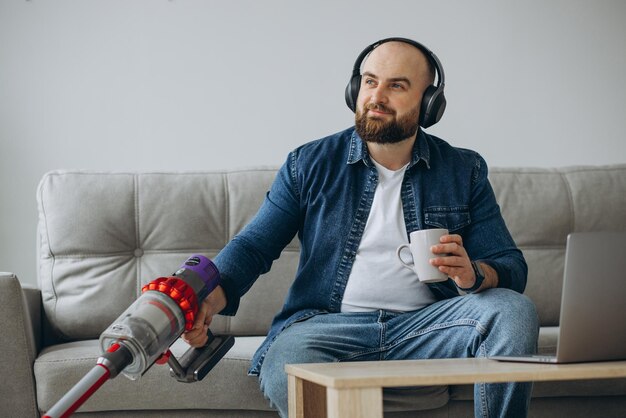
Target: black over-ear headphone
[{"x": 433, "y": 100}]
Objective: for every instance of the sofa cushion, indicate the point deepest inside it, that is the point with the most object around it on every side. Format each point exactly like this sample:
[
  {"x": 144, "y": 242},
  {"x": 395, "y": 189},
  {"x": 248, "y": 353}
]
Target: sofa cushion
[
  {"x": 102, "y": 236},
  {"x": 61, "y": 366},
  {"x": 542, "y": 206},
  {"x": 58, "y": 368},
  {"x": 535, "y": 204}
]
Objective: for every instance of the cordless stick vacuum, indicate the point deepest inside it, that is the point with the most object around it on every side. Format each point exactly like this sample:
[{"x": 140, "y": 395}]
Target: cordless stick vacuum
[{"x": 142, "y": 335}]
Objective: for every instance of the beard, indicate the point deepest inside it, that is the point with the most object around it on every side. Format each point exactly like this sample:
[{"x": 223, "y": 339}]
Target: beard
[{"x": 376, "y": 130}]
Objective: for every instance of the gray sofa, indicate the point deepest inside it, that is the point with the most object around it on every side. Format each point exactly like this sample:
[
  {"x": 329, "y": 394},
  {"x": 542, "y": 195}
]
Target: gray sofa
[{"x": 102, "y": 235}]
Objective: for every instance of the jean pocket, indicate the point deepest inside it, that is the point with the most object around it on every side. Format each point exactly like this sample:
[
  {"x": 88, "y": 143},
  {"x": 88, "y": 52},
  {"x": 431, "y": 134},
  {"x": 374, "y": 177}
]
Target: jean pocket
[{"x": 452, "y": 218}]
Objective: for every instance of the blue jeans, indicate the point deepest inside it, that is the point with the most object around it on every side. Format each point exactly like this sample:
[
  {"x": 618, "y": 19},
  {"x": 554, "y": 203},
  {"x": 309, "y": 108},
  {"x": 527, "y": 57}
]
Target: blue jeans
[{"x": 493, "y": 322}]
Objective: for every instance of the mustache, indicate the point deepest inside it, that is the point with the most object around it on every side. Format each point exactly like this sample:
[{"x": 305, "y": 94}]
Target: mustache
[{"x": 379, "y": 107}]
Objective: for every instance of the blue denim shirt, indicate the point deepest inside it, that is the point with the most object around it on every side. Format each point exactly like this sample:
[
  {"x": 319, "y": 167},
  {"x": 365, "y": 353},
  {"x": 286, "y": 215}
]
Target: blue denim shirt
[{"x": 324, "y": 193}]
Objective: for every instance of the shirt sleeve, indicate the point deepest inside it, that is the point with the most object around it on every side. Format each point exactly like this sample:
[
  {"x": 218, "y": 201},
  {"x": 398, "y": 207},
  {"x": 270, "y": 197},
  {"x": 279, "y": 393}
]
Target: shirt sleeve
[
  {"x": 252, "y": 251},
  {"x": 488, "y": 238}
]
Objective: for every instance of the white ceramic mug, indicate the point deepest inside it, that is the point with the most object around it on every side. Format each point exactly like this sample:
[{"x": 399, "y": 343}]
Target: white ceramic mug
[{"x": 419, "y": 247}]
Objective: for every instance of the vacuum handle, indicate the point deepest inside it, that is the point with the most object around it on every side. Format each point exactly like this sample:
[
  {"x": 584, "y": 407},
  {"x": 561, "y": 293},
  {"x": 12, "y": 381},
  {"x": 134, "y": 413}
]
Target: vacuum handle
[{"x": 196, "y": 363}]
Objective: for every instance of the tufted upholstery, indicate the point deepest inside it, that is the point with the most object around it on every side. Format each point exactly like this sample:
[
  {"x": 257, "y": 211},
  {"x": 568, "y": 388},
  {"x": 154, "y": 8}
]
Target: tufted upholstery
[{"x": 104, "y": 235}]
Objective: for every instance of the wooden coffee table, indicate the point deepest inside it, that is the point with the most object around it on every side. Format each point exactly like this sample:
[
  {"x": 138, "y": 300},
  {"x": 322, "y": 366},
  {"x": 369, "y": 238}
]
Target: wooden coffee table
[{"x": 354, "y": 389}]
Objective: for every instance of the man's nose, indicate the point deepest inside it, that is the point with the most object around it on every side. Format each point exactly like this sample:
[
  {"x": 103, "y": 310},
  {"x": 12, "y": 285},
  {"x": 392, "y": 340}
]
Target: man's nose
[{"x": 378, "y": 95}]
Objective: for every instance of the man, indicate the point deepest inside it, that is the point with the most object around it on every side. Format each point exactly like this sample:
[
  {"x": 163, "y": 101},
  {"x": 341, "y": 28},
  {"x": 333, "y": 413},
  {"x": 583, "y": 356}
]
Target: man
[{"x": 353, "y": 198}]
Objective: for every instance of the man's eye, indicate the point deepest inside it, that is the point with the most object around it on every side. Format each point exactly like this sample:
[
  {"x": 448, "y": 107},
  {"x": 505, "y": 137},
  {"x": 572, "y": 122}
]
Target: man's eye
[
  {"x": 370, "y": 82},
  {"x": 397, "y": 86}
]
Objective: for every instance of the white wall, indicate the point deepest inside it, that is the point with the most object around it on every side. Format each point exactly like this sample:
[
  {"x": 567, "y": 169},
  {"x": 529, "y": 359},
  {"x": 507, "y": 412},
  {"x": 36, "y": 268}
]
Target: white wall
[{"x": 185, "y": 85}]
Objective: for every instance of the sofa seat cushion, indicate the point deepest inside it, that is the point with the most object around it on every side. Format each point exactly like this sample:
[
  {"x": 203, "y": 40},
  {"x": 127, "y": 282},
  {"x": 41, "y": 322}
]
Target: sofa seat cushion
[
  {"x": 548, "y": 338},
  {"x": 227, "y": 386}
]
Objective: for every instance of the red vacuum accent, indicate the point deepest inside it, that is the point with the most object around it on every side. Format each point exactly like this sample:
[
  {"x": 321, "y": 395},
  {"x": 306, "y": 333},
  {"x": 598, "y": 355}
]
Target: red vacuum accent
[
  {"x": 164, "y": 358},
  {"x": 114, "y": 347},
  {"x": 180, "y": 292},
  {"x": 90, "y": 391}
]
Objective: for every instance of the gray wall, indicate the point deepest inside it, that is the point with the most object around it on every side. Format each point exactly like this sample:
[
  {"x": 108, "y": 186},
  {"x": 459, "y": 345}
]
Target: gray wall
[{"x": 187, "y": 85}]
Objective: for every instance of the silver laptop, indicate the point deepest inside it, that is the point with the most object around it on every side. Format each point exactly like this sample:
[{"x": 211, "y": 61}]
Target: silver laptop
[{"x": 592, "y": 324}]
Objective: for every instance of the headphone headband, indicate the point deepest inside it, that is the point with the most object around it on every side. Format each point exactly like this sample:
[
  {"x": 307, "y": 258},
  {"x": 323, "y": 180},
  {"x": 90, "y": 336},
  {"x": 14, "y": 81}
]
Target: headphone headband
[
  {"x": 433, "y": 100},
  {"x": 430, "y": 55}
]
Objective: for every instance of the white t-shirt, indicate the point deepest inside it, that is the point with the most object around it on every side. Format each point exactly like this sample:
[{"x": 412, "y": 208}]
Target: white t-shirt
[{"x": 378, "y": 280}]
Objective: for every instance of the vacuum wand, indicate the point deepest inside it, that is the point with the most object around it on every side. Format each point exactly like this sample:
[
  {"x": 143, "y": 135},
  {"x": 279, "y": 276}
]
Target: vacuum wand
[
  {"x": 142, "y": 335},
  {"x": 108, "y": 366}
]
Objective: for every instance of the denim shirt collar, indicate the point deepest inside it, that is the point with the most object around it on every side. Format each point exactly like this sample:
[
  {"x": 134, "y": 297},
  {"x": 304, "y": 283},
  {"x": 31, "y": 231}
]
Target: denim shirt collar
[{"x": 358, "y": 151}]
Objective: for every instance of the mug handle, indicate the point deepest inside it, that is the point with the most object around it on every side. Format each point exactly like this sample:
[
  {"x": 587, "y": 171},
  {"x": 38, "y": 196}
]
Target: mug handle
[{"x": 411, "y": 265}]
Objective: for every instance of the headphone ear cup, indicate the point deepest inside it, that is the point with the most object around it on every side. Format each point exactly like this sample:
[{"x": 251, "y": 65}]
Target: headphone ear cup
[
  {"x": 432, "y": 107},
  {"x": 352, "y": 91}
]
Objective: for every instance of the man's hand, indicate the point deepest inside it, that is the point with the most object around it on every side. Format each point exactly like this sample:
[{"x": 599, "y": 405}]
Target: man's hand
[
  {"x": 457, "y": 265},
  {"x": 212, "y": 304}
]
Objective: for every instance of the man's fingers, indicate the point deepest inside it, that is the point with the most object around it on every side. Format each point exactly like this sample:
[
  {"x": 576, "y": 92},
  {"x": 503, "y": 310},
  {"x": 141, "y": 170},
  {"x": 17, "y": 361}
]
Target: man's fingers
[
  {"x": 196, "y": 337},
  {"x": 452, "y": 238},
  {"x": 203, "y": 318},
  {"x": 212, "y": 304},
  {"x": 453, "y": 248},
  {"x": 449, "y": 261}
]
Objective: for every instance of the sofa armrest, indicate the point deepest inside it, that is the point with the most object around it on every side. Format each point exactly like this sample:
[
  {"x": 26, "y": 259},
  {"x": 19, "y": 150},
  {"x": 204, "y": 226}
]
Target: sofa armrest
[
  {"x": 18, "y": 348},
  {"x": 32, "y": 297}
]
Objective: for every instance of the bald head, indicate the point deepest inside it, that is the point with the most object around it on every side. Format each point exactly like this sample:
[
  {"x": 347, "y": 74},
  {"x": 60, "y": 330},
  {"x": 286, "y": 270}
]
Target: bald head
[{"x": 403, "y": 59}]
